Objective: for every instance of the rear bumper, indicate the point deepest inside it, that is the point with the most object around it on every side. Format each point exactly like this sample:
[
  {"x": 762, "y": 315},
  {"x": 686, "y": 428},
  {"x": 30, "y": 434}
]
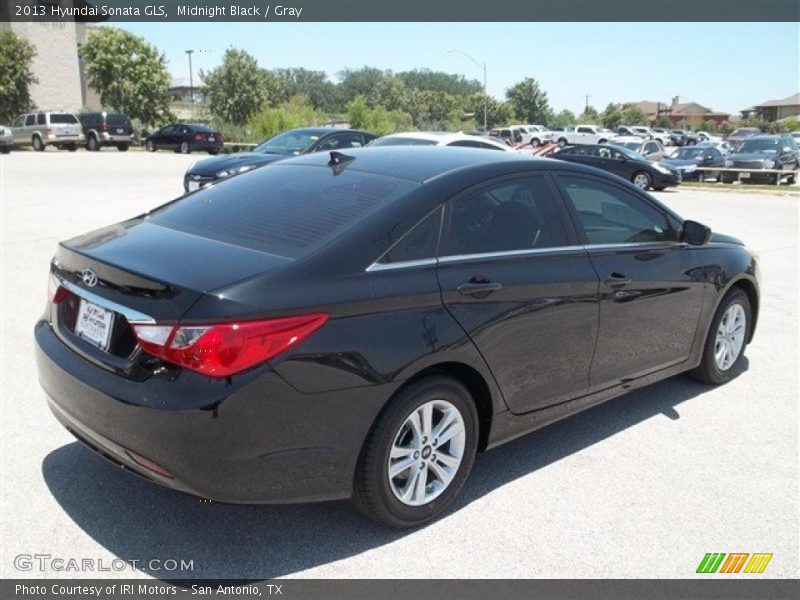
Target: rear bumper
[
  {"x": 251, "y": 439},
  {"x": 205, "y": 145},
  {"x": 107, "y": 138}
]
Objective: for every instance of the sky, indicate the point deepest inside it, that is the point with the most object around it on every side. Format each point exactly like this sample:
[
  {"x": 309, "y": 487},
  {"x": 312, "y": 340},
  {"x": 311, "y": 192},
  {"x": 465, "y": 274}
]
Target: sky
[{"x": 724, "y": 66}]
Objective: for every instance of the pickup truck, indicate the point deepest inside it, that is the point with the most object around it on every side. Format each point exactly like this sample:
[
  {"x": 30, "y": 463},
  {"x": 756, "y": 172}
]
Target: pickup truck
[{"x": 582, "y": 134}]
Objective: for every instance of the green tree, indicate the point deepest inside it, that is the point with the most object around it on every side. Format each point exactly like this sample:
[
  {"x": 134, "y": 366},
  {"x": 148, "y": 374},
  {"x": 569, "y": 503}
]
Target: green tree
[
  {"x": 663, "y": 121},
  {"x": 438, "y": 81},
  {"x": 297, "y": 112},
  {"x": 565, "y": 117},
  {"x": 431, "y": 110},
  {"x": 390, "y": 93},
  {"x": 726, "y": 128},
  {"x": 239, "y": 87},
  {"x": 707, "y": 126},
  {"x": 497, "y": 113},
  {"x": 359, "y": 82},
  {"x": 612, "y": 116},
  {"x": 528, "y": 102},
  {"x": 129, "y": 74},
  {"x": 314, "y": 85},
  {"x": 376, "y": 119},
  {"x": 16, "y": 76},
  {"x": 589, "y": 116},
  {"x": 634, "y": 116}
]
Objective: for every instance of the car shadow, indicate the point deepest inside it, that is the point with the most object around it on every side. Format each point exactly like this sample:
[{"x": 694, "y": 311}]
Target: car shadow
[{"x": 138, "y": 521}]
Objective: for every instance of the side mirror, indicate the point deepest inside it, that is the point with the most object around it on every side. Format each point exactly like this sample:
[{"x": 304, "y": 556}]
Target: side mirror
[{"x": 695, "y": 233}]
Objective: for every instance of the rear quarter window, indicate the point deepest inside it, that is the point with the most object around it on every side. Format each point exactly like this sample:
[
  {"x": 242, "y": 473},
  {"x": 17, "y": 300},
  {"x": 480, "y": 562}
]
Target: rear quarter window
[
  {"x": 62, "y": 119},
  {"x": 287, "y": 210}
]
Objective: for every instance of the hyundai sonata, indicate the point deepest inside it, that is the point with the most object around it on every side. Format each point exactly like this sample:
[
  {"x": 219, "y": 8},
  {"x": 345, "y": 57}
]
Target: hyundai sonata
[{"x": 361, "y": 325}]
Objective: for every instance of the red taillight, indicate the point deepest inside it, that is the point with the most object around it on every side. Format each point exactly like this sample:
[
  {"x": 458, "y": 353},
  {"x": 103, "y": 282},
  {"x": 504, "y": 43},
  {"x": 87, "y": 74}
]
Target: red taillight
[
  {"x": 199, "y": 136},
  {"x": 220, "y": 137},
  {"x": 225, "y": 349},
  {"x": 55, "y": 292},
  {"x": 104, "y": 127}
]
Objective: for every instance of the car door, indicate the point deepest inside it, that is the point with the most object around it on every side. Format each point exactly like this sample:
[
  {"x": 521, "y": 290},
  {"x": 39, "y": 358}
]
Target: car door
[
  {"x": 513, "y": 277},
  {"x": 18, "y": 130},
  {"x": 650, "y": 293},
  {"x": 612, "y": 160}
]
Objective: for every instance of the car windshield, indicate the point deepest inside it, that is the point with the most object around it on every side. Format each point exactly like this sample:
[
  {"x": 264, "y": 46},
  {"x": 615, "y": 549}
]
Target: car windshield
[
  {"x": 689, "y": 153},
  {"x": 286, "y": 210},
  {"x": 62, "y": 118},
  {"x": 635, "y": 146},
  {"x": 626, "y": 151},
  {"x": 116, "y": 119},
  {"x": 760, "y": 145},
  {"x": 288, "y": 142},
  {"x": 402, "y": 141},
  {"x": 741, "y": 132}
]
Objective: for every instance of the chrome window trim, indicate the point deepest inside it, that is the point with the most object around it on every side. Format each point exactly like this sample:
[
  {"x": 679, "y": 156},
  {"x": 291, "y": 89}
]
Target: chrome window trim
[
  {"x": 510, "y": 253},
  {"x": 406, "y": 264},
  {"x": 132, "y": 316}
]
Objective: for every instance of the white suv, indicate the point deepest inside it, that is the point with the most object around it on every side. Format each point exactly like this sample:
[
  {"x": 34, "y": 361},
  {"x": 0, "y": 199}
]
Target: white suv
[{"x": 44, "y": 128}]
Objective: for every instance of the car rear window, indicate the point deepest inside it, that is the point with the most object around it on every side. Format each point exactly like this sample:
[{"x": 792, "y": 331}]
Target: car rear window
[
  {"x": 117, "y": 119},
  {"x": 199, "y": 129},
  {"x": 62, "y": 118},
  {"x": 287, "y": 210}
]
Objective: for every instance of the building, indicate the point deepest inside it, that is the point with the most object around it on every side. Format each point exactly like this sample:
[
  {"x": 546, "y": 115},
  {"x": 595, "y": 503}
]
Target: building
[
  {"x": 775, "y": 110},
  {"x": 182, "y": 88},
  {"x": 688, "y": 115},
  {"x": 61, "y": 83}
]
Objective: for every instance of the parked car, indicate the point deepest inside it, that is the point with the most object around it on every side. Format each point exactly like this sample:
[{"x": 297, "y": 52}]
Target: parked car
[
  {"x": 48, "y": 128},
  {"x": 649, "y": 149},
  {"x": 759, "y": 152},
  {"x": 185, "y": 138},
  {"x": 625, "y": 163},
  {"x": 686, "y": 137},
  {"x": 362, "y": 325},
  {"x": 582, "y": 134},
  {"x": 722, "y": 146},
  {"x": 6, "y": 139},
  {"x": 704, "y": 136},
  {"x": 442, "y": 138},
  {"x": 106, "y": 129},
  {"x": 688, "y": 159},
  {"x": 644, "y": 132},
  {"x": 540, "y": 135},
  {"x": 738, "y": 136},
  {"x": 664, "y": 136},
  {"x": 287, "y": 143},
  {"x": 795, "y": 135},
  {"x": 509, "y": 135},
  {"x": 627, "y": 131}
]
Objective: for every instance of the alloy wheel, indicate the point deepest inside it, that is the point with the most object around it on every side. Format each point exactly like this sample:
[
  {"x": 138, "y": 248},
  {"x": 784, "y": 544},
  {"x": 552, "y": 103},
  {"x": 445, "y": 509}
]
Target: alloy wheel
[
  {"x": 730, "y": 336},
  {"x": 642, "y": 181},
  {"x": 426, "y": 453}
]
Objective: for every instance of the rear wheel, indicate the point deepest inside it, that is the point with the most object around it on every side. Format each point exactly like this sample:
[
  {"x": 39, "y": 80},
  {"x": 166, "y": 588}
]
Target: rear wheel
[
  {"x": 185, "y": 148},
  {"x": 123, "y": 147},
  {"x": 71, "y": 147},
  {"x": 535, "y": 143},
  {"x": 150, "y": 146},
  {"x": 727, "y": 339},
  {"x": 418, "y": 454},
  {"x": 213, "y": 152},
  {"x": 93, "y": 144},
  {"x": 38, "y": 145},
  {"x": 5, "y": 149},
  {"x": 562, "y": 142},
  {"x": 642, "y": 180}
]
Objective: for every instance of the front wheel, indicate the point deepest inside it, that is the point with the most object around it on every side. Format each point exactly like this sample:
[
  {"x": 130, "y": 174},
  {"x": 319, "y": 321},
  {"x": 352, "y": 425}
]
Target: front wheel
[
  {"x": 727, "y": 339},
  {"x": 150, "y": 146},
  {"x": 535, "y": 143},
  {"x": 418, "y": 454},
  {"x": 38, "y": 145},
  {"x": 185, "y": 148},
  {"x": 92, "y": 144},
  {"x": 562, "y": 142},
  {"x": 642, "y": 180},
  {"x": 123, "y": 147}
]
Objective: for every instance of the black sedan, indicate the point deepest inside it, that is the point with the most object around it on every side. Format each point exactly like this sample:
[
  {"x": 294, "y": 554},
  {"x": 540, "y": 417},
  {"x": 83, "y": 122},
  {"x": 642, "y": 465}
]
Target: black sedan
[
  {"x": 692, "y": 161},
  {"x": 362, "y": 324},
  {"x": 623, "y": 162},
  {"x": 760, "y": 154},
  {"x": 289, "y": 143},
  {"x": 185, "y": 138}
]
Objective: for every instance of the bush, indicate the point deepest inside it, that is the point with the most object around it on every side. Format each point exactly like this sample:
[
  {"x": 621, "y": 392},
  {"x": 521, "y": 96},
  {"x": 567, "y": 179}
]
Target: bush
[
  {"x": 268, "y": 122},
  {"x": 377, "y": 120}
]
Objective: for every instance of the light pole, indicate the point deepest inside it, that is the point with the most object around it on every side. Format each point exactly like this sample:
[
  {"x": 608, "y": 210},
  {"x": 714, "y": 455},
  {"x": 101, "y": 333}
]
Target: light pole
[
  {"x": 485, "y": 95},
  {"x": 191, "y": 76}
]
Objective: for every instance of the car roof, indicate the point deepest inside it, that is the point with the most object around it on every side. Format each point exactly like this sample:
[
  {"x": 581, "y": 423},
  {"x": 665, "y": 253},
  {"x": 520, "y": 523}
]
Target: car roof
[
  {"x": 628, "y": 139},
  {"x": 413, "y": 163},
  {"x": 323, "y": 130},
  {"x": 442, "y": 138}
]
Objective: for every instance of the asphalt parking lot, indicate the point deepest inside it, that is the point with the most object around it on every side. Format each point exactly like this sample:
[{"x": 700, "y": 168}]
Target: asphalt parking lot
[{"x": 640, "y": 487}]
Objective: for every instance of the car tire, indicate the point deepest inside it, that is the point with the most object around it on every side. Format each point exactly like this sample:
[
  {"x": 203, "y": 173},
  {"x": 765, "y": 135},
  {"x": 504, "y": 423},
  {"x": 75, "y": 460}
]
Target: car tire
[
  {"x": 150, "y": 146},
  {"x": 213, "y": 152},
  {"x": 92, "y": 144},
  {"x": 535, "y": 143},
  {"x": 728, "y": 317},
  {"x": 642, "y": 180},
  {"x": 185, "y": 148},
  {"x": 562, "y": 142},
  {"x": 379, "y": 495},
  {"x": 660, "y": 188},
  {"x": 38, "y": 145},
  {"x": 5, "y": 150},
  {"x": 123, "y": 147},
  {"x": 71, "y": 147},
  {"x": 603, "y": 142}
]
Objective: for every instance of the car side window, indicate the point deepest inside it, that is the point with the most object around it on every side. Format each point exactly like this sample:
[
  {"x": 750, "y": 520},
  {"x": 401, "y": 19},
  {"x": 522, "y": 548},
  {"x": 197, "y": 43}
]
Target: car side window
[
  {"x": 473, "y": 144},
  {"x": 30, "y": 120},
  {"x": 517, "y": 214},
  {"x": 41, "y": 119},
  {"x": 417, "y": 244},
  {"x": 610, "y": 215},
  {"x": 18, "y": 122}
]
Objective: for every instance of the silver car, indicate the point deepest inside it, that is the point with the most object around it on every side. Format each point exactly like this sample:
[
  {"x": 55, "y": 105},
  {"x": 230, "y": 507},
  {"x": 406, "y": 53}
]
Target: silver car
[
  {"x": 6, "y": 139},
  {"x": 45, "y": 128}
]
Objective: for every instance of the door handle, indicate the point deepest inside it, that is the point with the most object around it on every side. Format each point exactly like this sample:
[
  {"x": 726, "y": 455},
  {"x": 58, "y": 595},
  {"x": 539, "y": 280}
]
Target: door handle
[
  {"x": 617, "y": 280},
  {"x": 475, "y": 287}
]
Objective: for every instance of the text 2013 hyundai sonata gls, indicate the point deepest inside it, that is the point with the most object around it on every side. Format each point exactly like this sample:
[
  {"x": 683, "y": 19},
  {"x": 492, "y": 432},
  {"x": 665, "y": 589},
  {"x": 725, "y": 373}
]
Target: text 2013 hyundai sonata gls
[{"x": 362, "y": 324}]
